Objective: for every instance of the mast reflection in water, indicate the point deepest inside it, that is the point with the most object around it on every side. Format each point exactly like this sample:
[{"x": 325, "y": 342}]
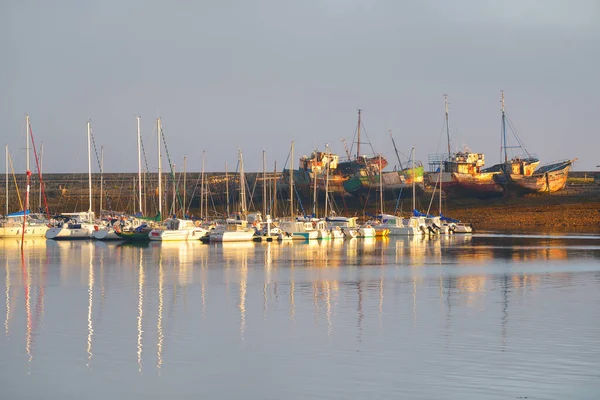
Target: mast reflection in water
[{"x": 424, "y": 317}]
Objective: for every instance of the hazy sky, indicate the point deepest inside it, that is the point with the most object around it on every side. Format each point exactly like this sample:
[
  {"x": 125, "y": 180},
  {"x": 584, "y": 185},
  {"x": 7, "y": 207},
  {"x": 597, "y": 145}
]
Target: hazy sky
[{"x": 256, "y": 75}]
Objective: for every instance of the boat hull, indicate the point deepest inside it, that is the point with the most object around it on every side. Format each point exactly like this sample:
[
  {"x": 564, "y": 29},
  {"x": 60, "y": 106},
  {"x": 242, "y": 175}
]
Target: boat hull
[
  {"x": 540, "y": 182},
  {"x": 17, "y": 231},
  {"x": 481, "y": 185},
  {"x": 65, "y": 233},
  {"x": 393, "y": 184}
]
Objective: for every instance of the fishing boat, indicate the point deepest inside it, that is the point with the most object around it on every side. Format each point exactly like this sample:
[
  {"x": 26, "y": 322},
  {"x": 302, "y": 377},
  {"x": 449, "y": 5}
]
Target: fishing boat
[
  {"x": 390, "y": 185},
  {"x": 320, "y": 166},
  {"x": 546, "y": 179},
  {"x": 521, "y": 175},
  {"x": 462, "y": 173}
]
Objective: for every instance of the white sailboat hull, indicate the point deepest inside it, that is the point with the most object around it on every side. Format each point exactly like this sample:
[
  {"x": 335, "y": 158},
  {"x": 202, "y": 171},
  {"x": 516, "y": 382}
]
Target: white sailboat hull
[
  {"x": 66, "y": 233},
  {"x": 176, "y": 235},
  {"x": 17, "y": 231}
]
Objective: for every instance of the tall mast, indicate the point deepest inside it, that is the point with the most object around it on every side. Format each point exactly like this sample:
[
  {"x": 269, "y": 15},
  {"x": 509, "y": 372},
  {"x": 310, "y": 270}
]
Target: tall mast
[
  {"x": 41, "y": 165},
  {"x": 274, "y": 213},
  {"x": 89, "y": 134},
  {"x": 414, "y": 199},
  {"x": 183, "y": 212},
  {"x": 6, "y": 183},
  {"x": 264, "y": 184},
  {"x": 174, "y": 188},
  {"x": 27, "y": 157},
  {"x": 381, "y": 189},
  {"x": 158, "y": 129},
  {"x": 139, "y": 144},
  {"x": 226, "y": 193},
  {"x": 314, "y": 177},
  {"x": 447, "y": 124},
  {"x": 396, "y": 150},
  {"x": 101, "y": 176},
  {"x": 292, "y": 181},
  {"x": 202, "y": 186},
  {"x": 243, "y": 186},
  {"x": 504, "y": 128},
  {"x": 358, "y": 135},
  {"x": 327, "y": 182}
]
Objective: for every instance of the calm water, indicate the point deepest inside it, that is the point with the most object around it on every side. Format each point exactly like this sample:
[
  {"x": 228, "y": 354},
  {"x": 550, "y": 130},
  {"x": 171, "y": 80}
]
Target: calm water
[{"x": 482, "y": 317}]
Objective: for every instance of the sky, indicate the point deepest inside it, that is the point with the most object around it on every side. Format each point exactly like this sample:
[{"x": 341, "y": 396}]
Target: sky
[{"x": 256, "y": 75}]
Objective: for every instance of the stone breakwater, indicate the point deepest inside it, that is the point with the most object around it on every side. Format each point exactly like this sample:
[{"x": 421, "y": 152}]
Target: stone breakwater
[{"x": 575, "y": 208}]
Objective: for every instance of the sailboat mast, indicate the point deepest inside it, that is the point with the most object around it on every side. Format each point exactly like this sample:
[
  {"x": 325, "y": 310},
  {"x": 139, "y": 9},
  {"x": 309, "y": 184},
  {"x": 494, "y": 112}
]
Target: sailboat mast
[
  {"x": 27, "y": 157},
  {"x": 158, "y": 130},
  {"x": 139, "y": 144},
  {"x": 41, "y": 165},
  {"x": 89, "y": 134},
  {"x": 226, "y": 193},
  {"x": 274, "y": 189},
  {"x": 6, "y": 183},
  {"x": 101, "y": 176},
  {"x": 202, "y": 187},
  {"x": 183, "y": 212},
  {"x": 327, "y": 182},
  {"x": 264, "y": 184},
  {"x": 314, "y": 176},
  {"x": 292, "y": 181},
  {"x": 414, "y": 199},
  {"x": 504, "y": 128},
  {"x": 381, "y": 188},
  {"x": 447, "y": 124},
  {"x": 243, "y": 187},
  {"x": 358, "y": 134}
]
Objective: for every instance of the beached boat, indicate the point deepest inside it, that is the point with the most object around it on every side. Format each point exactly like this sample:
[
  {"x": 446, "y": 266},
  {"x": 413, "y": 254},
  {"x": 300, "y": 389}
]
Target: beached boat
[{"x": 546, "y": 179}]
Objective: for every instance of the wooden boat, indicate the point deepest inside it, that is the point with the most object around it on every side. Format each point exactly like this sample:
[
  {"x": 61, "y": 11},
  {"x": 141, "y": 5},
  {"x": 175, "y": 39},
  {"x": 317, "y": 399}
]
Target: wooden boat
[{"x": 546, "y": 179}]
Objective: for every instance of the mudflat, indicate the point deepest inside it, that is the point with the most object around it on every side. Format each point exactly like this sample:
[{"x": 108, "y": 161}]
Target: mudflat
[{"x": 575, "y": 208}]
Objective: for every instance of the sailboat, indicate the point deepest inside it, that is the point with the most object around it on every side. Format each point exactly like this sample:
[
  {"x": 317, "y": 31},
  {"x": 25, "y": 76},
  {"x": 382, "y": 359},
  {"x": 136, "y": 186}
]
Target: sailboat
[
  {"x": 173, "y": 229},
  {"x": 398, "y": 226},
  {"x": 76, "y": 225},
  {"x": 237, "y": 229},
  {"x": 22, "y": 224}
]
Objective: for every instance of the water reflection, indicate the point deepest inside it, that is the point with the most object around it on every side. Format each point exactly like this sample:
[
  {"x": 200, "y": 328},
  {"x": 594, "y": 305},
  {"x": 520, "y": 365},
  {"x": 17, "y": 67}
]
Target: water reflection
[{"x": 343, "y": 292}]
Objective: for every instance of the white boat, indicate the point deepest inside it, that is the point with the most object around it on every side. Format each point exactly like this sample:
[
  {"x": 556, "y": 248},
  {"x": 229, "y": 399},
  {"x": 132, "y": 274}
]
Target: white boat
[
  {"x": 366, "y": 231},
  {"x": 346, "y": 224},
  {"x": 175, "y": 229},
  {"x": 77, "y": 225},
  {"x": 233, "y": 230},
  {"x": 11, "y": 226},
  {"x": 398, "y": 226},
  {"x": 300, "y": 230},
  {"x": 71, "y": 226},
  {"x": 237, "y": 229},
  {"x": 336, "y": 233}
]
